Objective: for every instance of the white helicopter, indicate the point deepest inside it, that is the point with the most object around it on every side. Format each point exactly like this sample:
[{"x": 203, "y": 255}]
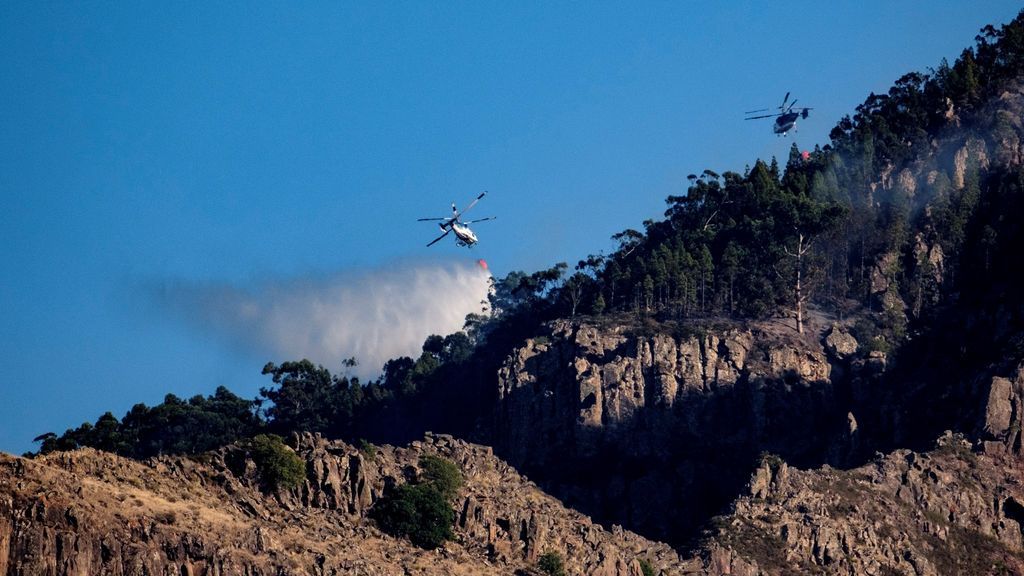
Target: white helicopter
[
  {"x": 463, "y": 235},
  {"x": 785, "y": 119}
]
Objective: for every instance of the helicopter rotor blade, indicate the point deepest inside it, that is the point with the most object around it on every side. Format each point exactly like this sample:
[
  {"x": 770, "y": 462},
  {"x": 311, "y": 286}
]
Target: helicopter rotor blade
[
  {"x": 435, "y": 240},
  {"x": 784, "y": 100},
  {"x": 764, "y": 116},
  {"x": 756, "y": 111},
  {"x": 471, "y": 204},
  {"x": 429, "y": 219},
  {"x": 481, "y": 220}
]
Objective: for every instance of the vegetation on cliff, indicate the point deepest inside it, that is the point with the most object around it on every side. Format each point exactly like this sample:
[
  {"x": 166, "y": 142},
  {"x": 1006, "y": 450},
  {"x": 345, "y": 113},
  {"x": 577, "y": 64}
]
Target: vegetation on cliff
[
  {"x": 903, "y": 225},
  {"x": 902, "y": 220},
  {"x": 421, "y": 511}
]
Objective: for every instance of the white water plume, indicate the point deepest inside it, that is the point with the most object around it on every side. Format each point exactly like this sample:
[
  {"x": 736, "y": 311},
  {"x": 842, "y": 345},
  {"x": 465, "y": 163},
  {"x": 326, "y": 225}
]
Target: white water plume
[{"x": 373, "y": 315}]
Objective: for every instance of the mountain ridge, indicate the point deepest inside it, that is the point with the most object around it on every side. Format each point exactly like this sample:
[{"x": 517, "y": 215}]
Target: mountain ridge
[{"x": 674, "y": 387}]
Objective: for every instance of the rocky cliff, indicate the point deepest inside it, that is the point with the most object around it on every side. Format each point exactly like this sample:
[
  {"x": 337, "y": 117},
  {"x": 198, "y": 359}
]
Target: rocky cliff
[
  {"x": 958, "y": 509},
  {"x": 92, "y": 513},
  {"x": 948, "y": 511},
  {"x": 652, "y": 430},
  {"x": 626, "y": 426}
]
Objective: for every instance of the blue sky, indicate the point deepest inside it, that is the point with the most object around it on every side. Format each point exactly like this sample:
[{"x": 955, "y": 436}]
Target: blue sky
[{"x": 248, "y": 145}]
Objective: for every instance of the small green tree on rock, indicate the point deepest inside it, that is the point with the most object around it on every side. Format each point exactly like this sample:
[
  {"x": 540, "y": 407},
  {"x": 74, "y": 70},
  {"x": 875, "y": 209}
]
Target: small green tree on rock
[
  {"x": 442, "y": 474},
  {"x": 551, "y": 563},
  {"x": 278, "y": 464},
  {"x": 422, "y": 511},
  {"x": 418, "y": 512}
]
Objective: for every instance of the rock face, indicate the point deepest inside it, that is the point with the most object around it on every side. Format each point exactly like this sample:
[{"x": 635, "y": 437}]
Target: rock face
[
  {"x": 949, "y": 511},
  {"x": 1003, "y": 413},
  {"x": 670, "y": 422},
  {"x": 91, "y": 513}
]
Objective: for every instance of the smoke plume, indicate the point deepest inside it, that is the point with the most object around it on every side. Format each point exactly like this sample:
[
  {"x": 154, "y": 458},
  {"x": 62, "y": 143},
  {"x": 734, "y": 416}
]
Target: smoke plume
[{"x": 373, "y": 315}]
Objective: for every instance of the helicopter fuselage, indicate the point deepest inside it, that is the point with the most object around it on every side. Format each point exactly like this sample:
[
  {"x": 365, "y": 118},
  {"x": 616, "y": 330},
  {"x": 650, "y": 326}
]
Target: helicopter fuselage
[
  {"x": 465, "y": 236},
  {"x": 785, "y": 123}
]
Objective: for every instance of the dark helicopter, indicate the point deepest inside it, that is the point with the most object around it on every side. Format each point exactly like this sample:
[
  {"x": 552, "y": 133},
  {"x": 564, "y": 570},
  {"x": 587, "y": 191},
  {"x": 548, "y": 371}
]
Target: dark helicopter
[{"x": 785, "y": 119}]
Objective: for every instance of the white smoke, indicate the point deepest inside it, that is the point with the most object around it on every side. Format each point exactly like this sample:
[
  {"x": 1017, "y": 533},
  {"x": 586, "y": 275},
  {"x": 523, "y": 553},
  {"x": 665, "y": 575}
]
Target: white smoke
[{"x": 373, "y": 315}]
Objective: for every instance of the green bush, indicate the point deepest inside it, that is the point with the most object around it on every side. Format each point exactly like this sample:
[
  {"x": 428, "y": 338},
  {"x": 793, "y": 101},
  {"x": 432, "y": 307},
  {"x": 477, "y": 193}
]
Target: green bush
[
  {"x": 422, "y": 511},
  {"x": 646, "y": 568},
  {"x": 367, "y": 449},
  {"x": 279, "y": 465},
  {"x": 441, "y": 474},
  {"x": 417, "y": 511},
  {"x": 552, "y": 564}
]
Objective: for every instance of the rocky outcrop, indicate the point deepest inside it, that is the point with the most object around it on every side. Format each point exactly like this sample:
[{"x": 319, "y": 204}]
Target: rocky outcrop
[
  {"x": 949, "y": 511},
  {"x": 972, "y": 154},
  {"x": 626, "y": 426},
  {"x": 1003, "y": 413},
  {"x": 840, "y": 344},
  {"x": 88, "y": 513}
]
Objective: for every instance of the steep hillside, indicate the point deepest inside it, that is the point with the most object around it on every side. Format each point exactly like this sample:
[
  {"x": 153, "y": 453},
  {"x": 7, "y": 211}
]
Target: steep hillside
[
  {"x": 758, "y": 381},
  {"x": 953, "y": 510},
  {"x": 947, "y": 511},
  {"x": 89, "y": 512},
  {"x": 626, "y": 426}
]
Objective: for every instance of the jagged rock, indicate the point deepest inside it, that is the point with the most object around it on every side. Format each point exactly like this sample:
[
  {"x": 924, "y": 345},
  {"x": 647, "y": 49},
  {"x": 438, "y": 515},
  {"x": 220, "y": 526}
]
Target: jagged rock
[
  {"x": 882, "y": 272},
  {"x": 769, "y": 477},
  {"x": 585, "y": 398},
  {"x": 87, "y": 512},
  {"x": 1003, "y": 413},
  {"x": 907, "y": 182},
  {"x": 974, "y": 151},
  {"x": 840, "y": 343},
  {"x": 999, "y": 408},
  {"x": 945, "y": 512}
]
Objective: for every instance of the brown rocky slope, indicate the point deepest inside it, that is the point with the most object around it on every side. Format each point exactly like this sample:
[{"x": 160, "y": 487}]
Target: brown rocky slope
[
  {"x": 625, "y": 426},
  {"x": 952, "y": 510},
  {"x": 958, "y": 509},
  {"x": 90, "y": 513}
]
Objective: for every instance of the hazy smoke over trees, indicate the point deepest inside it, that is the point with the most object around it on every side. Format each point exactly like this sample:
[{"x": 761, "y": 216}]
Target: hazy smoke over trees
[{"x": 373, "y": 315}]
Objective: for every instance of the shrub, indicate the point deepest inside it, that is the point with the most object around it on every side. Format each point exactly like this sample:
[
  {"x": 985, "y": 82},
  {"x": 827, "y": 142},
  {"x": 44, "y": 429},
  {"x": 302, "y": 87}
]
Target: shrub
[
  {"x": 551, "y": 563},
  {"x": 279, "y": 465},
  {"x": 367, "y": 449},
  {"x": 441, "y": 474},
  {"x": 646, "y": 568},
  {"x": 422, "y": 511},
  {"x": 167, "y": 517},
  {"x": 417, "y": 511}
]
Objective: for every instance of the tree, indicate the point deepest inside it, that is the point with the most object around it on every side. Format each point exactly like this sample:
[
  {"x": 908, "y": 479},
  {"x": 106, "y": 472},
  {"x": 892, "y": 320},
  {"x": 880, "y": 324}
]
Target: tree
[
  {"x": 798, "y": 252},
  {"x": 574, "y": 288},
  {"x": 279, "y": 466},
  {"x": 172, "y": 427},
  {"x": 732, "y": 257},
  {"x": 310, "y": 398},
  {"x": 422, "y": 511},
  {"x": 441, "y": 474},
  {"x": 707, "y": 267},
  {"x": 417, "y": 512}
]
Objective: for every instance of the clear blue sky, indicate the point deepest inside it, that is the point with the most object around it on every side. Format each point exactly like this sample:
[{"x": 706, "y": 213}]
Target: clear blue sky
[{"x": 144, "y": 143}]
